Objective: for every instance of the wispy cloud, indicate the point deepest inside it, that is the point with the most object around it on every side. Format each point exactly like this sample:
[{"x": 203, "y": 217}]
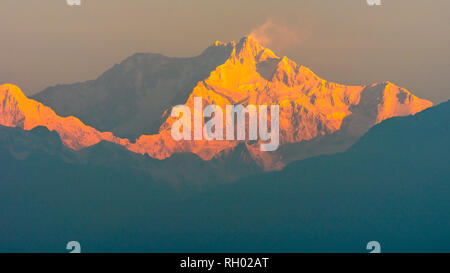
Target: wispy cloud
[{"x": 277, "y": 35}]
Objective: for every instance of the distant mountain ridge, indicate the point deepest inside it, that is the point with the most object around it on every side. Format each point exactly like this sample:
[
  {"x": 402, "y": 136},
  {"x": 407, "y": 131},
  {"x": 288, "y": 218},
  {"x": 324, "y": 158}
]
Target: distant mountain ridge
[
  {"x": 130, "y": 98},
  {"x": 316, "y": 116}
]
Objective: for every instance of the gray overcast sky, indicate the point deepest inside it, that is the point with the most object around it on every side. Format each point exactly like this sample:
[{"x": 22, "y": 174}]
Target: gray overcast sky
[{"x": 407, "y": 42}]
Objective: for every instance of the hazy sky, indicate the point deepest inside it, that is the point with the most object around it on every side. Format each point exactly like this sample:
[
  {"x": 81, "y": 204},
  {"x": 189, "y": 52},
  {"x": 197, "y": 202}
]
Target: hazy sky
[{"x": 47, "y": 42}]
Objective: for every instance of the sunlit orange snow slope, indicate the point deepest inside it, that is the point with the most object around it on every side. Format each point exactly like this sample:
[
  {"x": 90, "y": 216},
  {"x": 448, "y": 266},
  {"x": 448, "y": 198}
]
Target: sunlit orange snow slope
[
  {"x": 16, "y": 110},
  {"x": 310, "y": 107}
]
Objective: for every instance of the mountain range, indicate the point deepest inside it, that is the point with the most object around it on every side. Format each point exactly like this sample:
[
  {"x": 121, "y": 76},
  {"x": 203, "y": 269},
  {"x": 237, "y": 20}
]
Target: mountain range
[
  {"x": 134, "y": 98},
  {"x": 95, "y": 162},
  {"x": 391, "y": 186}
]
